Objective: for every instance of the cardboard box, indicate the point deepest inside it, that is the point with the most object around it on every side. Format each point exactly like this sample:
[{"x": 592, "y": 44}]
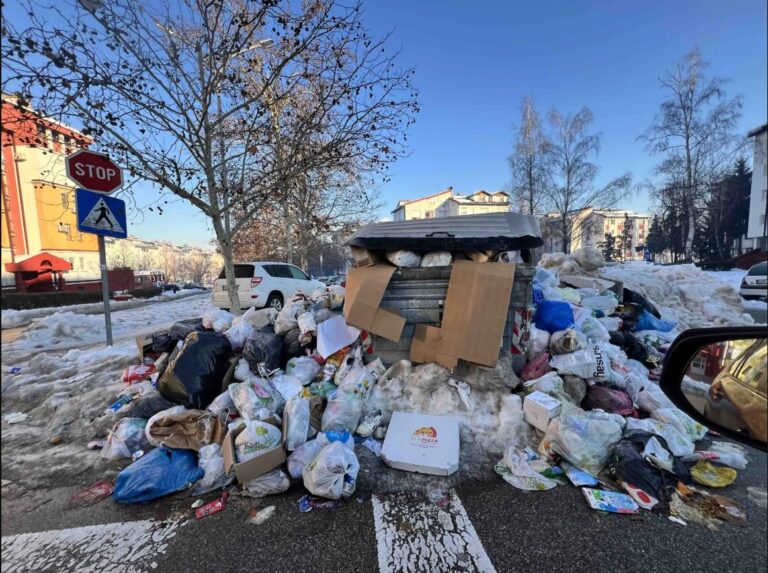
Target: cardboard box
[
  {"x": 253, "y": 468},
  {"x": 143, "y": 344},
  {"x": 364, "y": 291},
  {"x": 539, "y": 408},
  {"x": 422, "y": 443},
  {"x": 474, "y": 316},
  {"x": 366, "y": 258}
]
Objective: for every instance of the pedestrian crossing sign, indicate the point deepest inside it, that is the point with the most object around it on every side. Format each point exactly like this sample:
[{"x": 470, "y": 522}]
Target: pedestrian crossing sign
[{"x": 100, "y": 214}]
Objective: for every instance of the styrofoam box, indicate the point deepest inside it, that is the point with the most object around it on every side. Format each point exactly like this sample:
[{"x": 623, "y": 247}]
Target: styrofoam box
[
  {"x": 422, "y": 443},
  {"x": 539, "y": 408}
]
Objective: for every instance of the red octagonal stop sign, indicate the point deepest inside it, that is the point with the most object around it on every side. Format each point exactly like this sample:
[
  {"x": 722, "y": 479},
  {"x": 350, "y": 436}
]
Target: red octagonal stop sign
[{"x": 94, "y": 171}]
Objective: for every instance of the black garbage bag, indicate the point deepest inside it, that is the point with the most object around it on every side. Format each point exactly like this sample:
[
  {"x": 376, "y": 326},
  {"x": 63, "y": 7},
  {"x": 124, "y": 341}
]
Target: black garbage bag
[
  {"x": 636, "y": 349},
  {"x": 263, "y": 345},
  {"x": 194, "y": 376},
  {"x": 148, "y": 405},
  {"x": 632, "y": 297},
  {"x": 163, "y": 343},
  {"x": 291, "y": 345},
  {"x": 183, "y": 328},
  {"x": 627, "y": 464}
]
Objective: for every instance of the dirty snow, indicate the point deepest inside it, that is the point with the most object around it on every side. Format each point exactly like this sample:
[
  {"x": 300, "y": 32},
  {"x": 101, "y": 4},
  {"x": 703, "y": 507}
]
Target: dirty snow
[
  {"x": 684, "y": 293},
  {"x": 68, "y": 329},
  {"x": 10, "y": 318}
]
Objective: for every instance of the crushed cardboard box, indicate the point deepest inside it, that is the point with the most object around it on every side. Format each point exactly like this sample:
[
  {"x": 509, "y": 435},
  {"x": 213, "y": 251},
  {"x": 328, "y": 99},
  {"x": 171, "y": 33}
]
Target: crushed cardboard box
[
  {"x": 364, "y": 290},
  {"x": 366, "y": 258},
  {"x": 474, "y": 316}
]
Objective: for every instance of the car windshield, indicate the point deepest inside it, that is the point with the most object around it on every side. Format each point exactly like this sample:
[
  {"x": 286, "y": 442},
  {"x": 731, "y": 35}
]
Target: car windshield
[{"x": 760, "y": 269}]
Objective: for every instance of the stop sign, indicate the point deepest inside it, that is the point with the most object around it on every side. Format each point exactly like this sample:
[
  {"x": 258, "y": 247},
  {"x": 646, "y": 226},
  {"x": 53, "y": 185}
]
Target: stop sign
[{"x": 94, "y": 171}]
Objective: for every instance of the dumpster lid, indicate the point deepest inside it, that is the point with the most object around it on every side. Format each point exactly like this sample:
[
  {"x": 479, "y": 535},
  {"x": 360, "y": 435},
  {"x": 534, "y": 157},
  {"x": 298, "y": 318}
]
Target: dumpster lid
[{"x": 492, "y": 231}]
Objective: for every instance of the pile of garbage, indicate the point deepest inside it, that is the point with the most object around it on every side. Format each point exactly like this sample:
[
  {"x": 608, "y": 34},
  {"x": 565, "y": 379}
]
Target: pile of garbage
[{"x": 590, "y": 390}]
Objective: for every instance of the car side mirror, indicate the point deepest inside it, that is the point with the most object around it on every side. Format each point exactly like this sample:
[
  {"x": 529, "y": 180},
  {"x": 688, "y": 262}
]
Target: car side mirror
[{"x": 719, "y": 377}]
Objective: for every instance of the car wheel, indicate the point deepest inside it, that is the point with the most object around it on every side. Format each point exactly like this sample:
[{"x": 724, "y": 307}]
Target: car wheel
[{"x": 275, "y": 301}]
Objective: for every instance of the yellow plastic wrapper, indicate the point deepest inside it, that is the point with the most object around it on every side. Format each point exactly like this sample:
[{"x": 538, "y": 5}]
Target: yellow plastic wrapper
[{"x": 710, "y": 475}]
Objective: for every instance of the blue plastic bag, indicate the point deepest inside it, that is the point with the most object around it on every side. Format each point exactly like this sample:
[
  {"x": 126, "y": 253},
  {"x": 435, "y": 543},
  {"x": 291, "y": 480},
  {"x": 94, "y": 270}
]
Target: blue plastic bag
[
  {"x": 160, "y": 472},
  {"x": 646, "y": 321},
  {"x": 553, "y": 315}
]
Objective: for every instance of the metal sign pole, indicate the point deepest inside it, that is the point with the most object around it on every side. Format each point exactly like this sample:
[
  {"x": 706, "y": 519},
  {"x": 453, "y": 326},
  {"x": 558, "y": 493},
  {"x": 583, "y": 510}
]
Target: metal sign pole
[{"x": 105, "y": 288}]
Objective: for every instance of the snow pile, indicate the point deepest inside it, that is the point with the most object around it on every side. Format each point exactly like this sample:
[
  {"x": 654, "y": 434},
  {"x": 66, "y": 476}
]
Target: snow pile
[
  {"x": 494, "y": 421},
  {"x": 582, "y": 261},
  {"x": 68, "y": 329},
  {"x": 62, "y": 395},
  {"x": 683, "y": 293},
  {"x": 732, "y": 277}
]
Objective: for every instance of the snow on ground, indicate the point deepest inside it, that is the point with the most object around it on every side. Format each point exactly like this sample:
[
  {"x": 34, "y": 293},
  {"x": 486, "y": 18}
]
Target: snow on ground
[
  {"x": 64, "y": 393},
  {"x": 10, "y": 318},
  {"x": 684, "y": 293},
  {"x": 732, "y": 277},
  {"x": 66, "y": 329}
]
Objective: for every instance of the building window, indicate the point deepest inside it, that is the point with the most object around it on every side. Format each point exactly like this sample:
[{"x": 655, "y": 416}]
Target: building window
[
  {"x": 72, "y": 262},
  {"x": 42, "y": 139},
  {"x": 82, "y": 263}
]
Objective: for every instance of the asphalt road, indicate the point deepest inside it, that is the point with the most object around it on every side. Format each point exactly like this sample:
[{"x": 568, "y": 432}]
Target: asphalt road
[{"x": 488, "y": 524}]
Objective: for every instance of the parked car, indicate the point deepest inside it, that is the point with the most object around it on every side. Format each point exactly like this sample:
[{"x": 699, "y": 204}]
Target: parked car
[
  {"x": 168, "y": 287},
  {"x": 264, "y": 284},
  {"x": 190, "y": 286},
  {"x": 755, "y": 284}
]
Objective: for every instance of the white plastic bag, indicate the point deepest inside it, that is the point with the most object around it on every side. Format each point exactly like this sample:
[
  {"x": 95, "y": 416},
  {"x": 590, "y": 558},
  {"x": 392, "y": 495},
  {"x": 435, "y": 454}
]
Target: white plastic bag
[
  {"x": 681, "y": 421},
  {"x": 538, "y": 341},
  {"x": 297, "y": 415},
  {"x": 221, "y": 403},
  {"x": 678, "y": 443},
  {"x": 126, "y": 437},
  {"x": 270, "y": 483},
  {"x": 238, "y": 334},
  {"x": 436, "y": 259},
  {"x": 342, "y": 413},
  {"x": 304, "y": 454},
  {"x": 652, "y": 398},
  {"x": 251, "y": 397},
  {"x": 580, "y": 363},
  {"x": 509, "y": 257},
  {"x": 257, "y": 438},
  {"x": 307, "y": 327},
  {"x": 333, "y": 472},
  {"x": 585, "y": 439},
  {"x": 403, "y": 258},
  {"x": 287, "y": 384},
  {"x": 217, "y": 319},
  {"x": 359, "y": 381},
  {"x": 305, "y": 368},
  {"x": 257, "y": 318},
  {"x": 611, "y": 323},
  {"x": 287, "y": 318},
  {"x": 211, "y": 461},
  {"x": 549, "y": 383}
]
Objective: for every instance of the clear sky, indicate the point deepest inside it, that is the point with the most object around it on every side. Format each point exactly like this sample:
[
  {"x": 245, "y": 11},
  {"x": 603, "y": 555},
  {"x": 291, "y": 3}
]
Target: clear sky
[{"x": 476, "y": 60}]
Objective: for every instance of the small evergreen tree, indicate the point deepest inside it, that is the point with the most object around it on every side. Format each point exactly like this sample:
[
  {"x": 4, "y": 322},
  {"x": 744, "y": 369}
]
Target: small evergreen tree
[
  {"x": 657, "y": 241},
  {"x": 625, "y": 241},
  {"x": 608, "y": 248}
]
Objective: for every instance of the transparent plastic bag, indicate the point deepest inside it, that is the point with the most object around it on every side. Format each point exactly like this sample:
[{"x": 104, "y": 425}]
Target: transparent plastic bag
[
  {"x": 288, "y": 385},
  {"x": 538, "y": 341},
  {"x": 222, "y": 403},
  {"x": 287, "y": 318},
  {"x": 678, "y": 443},
  {"x": 126, "y": 437},
  {"x": 305, "y": 368},
  {"x": 217, "y": 319},
  {"x": 296, "y": 414},
  {"x": 549, "y": 383},
  {"x": 342, "y": 413},
  {"x": 594, "y": 329},
  {"x": 270, "y": 483},
  {"x": 516, "y": 470},
  {"x": 681, "y": 422},
  {"x": 238, "y": 334},
  {"x": 307, "y": 327},
  {"x": 436, "y": 259},
  {"x": 211, "y": 461},
  {"x": 333, "y": 472},
  {"x": 580, "y": 363},
  {"x": 251, "y": 397}
]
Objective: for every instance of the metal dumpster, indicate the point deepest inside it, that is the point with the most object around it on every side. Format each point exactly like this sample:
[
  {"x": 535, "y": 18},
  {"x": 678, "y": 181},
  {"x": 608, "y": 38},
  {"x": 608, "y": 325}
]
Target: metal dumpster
[{"x": 419, "y": 293}]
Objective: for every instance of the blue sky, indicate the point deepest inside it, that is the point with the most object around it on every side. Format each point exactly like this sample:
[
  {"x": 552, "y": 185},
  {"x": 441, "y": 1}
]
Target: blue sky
[{"x": 476, "y": 60}]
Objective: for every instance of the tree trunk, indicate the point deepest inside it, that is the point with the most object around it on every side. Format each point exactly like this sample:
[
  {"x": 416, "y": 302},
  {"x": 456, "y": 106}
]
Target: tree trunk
[{"x": 225, "y": 242}]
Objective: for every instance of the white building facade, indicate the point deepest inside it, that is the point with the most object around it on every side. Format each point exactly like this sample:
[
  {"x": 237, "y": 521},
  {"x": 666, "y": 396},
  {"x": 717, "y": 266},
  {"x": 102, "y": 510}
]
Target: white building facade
[{"x": 757, "y": 228}]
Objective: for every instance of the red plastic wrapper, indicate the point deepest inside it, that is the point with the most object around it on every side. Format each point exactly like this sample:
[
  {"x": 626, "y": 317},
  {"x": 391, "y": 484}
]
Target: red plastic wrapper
[
  {"x": 210, "y": 508},
  {"x": 93, "y": 493},
  {"x": 138, "y": 372}
]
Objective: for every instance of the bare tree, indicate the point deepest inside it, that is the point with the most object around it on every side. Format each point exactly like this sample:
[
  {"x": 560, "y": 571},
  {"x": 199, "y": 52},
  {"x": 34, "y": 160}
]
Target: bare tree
[
  {"x": 693, "y": 132},
  {"x": 570, "y": 186},
  {"x": 528, "y": 160},
  {"x": 182, "y": 93}
]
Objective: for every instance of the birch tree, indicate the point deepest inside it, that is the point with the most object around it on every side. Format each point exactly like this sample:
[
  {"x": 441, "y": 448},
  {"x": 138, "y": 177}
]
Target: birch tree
[{"x": 528, "y": 160}]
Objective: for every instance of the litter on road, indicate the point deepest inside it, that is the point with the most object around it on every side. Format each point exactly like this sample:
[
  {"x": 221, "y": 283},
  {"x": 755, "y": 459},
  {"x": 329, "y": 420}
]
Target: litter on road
[{"x": 546, "y": 377}]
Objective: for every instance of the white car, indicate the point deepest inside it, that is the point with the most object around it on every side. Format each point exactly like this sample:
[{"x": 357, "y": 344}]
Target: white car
[
  {"x": 755, "y": 282},
  {"x": 264, "y": 284}
]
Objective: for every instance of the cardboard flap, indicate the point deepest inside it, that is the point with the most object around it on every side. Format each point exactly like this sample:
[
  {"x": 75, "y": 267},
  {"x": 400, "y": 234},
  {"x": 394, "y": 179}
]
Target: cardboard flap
[
  {"x": 425, "y": 343},
  {"x": 475, "y": 311},
  {"x": 364, "y": 291}
]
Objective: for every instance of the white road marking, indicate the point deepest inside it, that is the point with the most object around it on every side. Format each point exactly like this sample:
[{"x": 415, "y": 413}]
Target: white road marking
[
  {"x": 414, "y": 534},
  {"x": 125, "y": 547}
]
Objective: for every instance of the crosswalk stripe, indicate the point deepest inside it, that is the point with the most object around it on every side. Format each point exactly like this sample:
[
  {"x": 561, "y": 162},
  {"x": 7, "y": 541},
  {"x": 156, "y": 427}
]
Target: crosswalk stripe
[
  {"x": 415, "y": 534},
  {"x": 125, "y": 547}
]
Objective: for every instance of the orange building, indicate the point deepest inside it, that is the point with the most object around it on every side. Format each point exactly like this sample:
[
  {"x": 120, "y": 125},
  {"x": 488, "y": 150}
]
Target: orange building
[{"x": 39, "y": 224}]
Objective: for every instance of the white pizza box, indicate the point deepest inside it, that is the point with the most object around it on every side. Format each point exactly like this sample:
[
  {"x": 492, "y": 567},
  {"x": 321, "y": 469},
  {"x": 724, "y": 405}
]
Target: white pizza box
[{"x": 422, "y": 443}]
